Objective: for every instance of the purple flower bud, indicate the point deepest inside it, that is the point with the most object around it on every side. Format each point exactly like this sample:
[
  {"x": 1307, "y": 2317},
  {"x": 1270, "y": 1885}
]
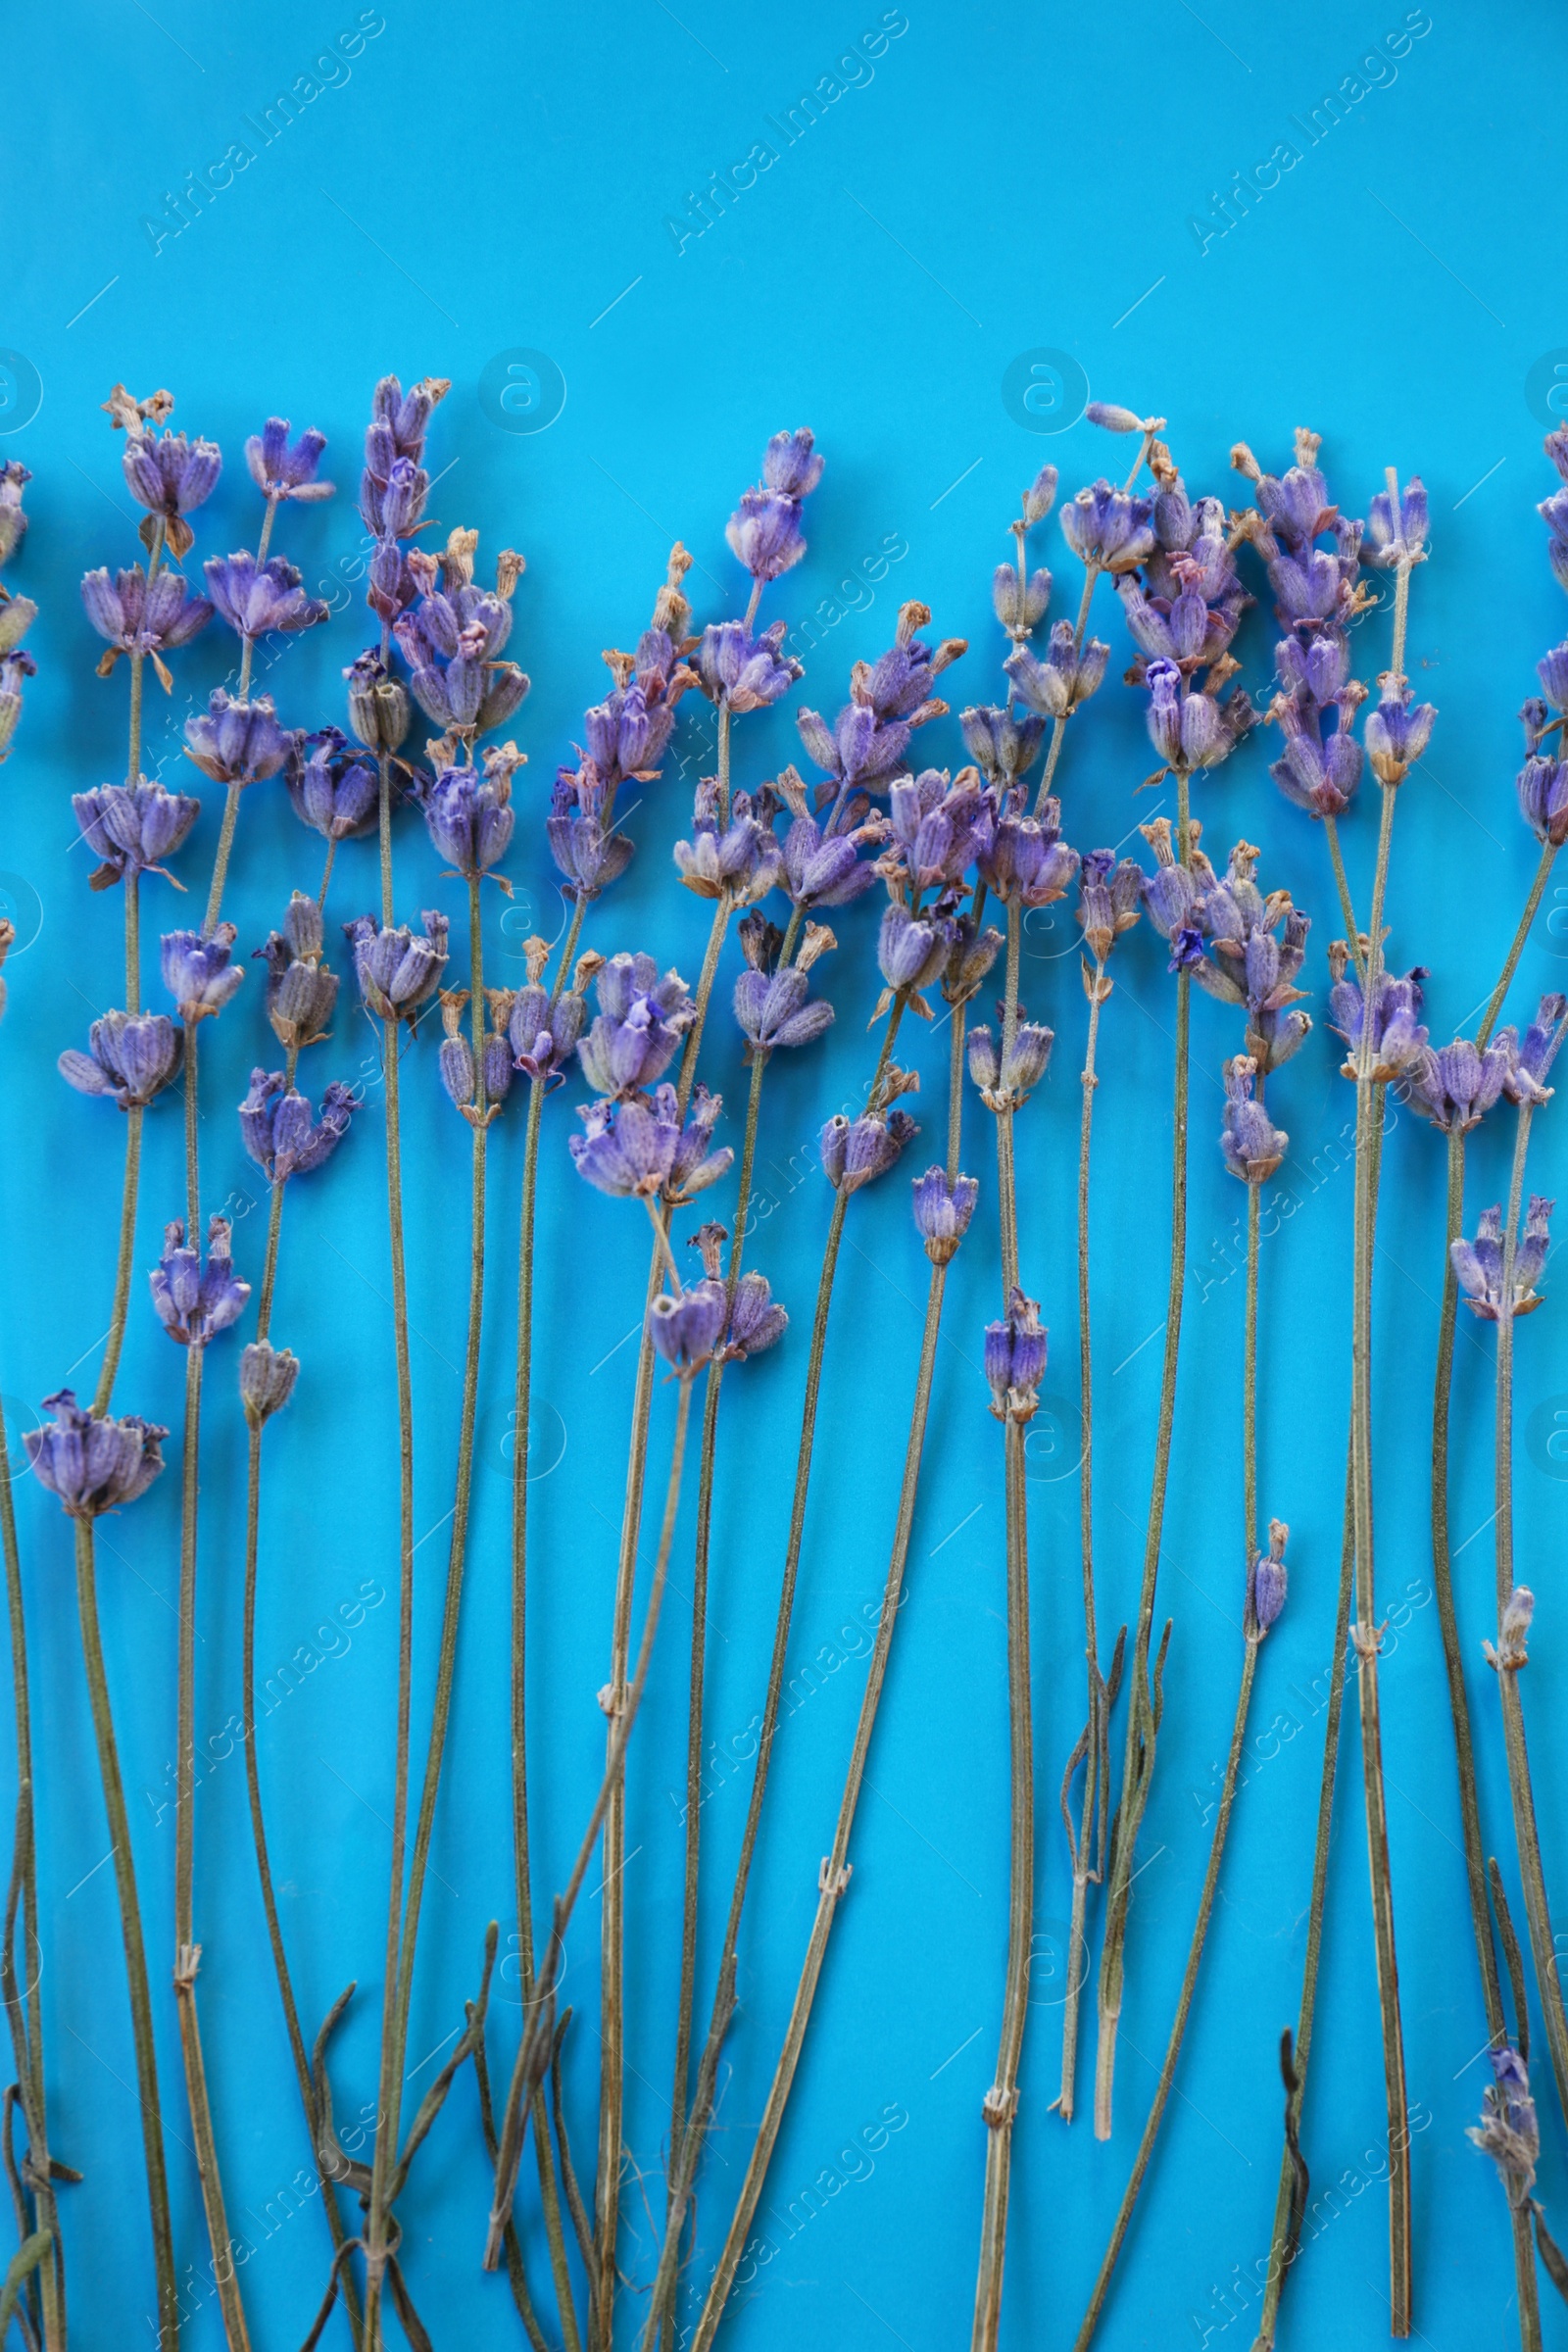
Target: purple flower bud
[
  {"x": 1015, "y": 1359},
  {"x": 280, "y": 1132},
  {"x": 912, "y": 950},
  {"x": 860, "y": 749},
  {"x": 169, "y": 476},
  {"x": 1007, "y": 1080},
  {"x": 238, "y": 742},
  {"x": 133, "y": 828},
  {"x": 764, "y": 533},
  {"x": 1543, "y": 799},
  {"x": 1110, "y": 893},
  {"x": 1003, "y": 744},
  {"x": 266, "y": 1377},
  {"x": 1054, "y": 688},
  {"x": 584, "y": 849},
  {"x": 639, "y": 1148},
  {"x": 1478, "y": 1264},
  {"x": 132, "y": 1055},
  {"x": 378, "y": 704},
  {"x": 1530, "y": 1059},
  {"x": 136, "y": 616},
  {"x": 1170, "y": 893},
  {"x": 856, "y": 1150},
  {"x": 195, "y": 1303},
  {"x": 942, "y": 1212},
  {"x": 91, "y": 1462},
  {"x": 301, "y": 990},
  {"x": 1252, "y": 1144},
  {"x": 1040, "y": 495},
  {"x": 1509, "y": 2130},
  {"x": 397, "y": 969},
  {"x": 1026, "y": 862},
  {"x": 1397, "y": 536},
  {"x": 1398, "y": 731},
  {"x": 825, "y": 870},
  {"x": 198, "y": 972},
  {"x": 544, "y": 1036},
  {"x": 1317, "y": 775},
  {"x": 684, "y": 1330},
  {"x": 469, "y": 812},
  {"x": 1458, "y": 1084},
  {"x": 1019, "y": 604},
  {"x": 280, "y": 473},
  {"x": 331, "y": 787},
  {"x": 791, "y": 465},
  {"x": 1109, "y": 527},
  {"x": 776, "y": 1009},
  {"x": 742, "y": 862},
  {"x": 393, "y": 486},
  {"x": 1398, "y": 1037},
  {"x": 756, "y": 1320},
  {"x": 255, "y": 599},
  {"x": 1269, "y": 1578},
  {"x": 740, "y": 673},
  {"x": 642, "y": 1018}
]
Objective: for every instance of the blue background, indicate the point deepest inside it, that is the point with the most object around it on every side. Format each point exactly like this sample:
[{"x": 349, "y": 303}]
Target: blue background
[{"x": 1000, "y": 181}]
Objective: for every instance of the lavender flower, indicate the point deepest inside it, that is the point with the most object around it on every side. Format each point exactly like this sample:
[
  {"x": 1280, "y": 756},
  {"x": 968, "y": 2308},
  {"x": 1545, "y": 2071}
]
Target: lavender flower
[
  {"x": 378, "y": 704},
  {"x": 132, "y": 1055},
  {"x": 824, "y": 868},
  {"x": 132, "y": 827},
  {"x": 1396, "y": 529},
  {"x": 683, "y": 1331},
  {"x": 1252, "y": 1144},
  {"x": 744, "y": 862},
  {"x": 1173, "y": 894},
  {"x": 170, "y": 476},
  {"x": 1003, "y": 744},
  {"x": 266, "y": 1377},
  {"x": 1248, "y": 965},
  {"x": 1006, "y": 1079},
  {"x": 1398, "y": 731},
  {"x": 455, "y": 1060},
  {"x": 198, "y": 972},
  {"x": 1397, "y": 1035},
  {"x": 1015, "y": 1359},
  {"x": 1478, "y": 1264},
  {"x": 586, "y": 851},
  {"x": 1192, "y": 730},
  {"x": 453, "y": 640},
  {"x": 239, "y": 742},
  {"x": 468, "y": 811},
  {"x": 257, "y": 599},
  {"x": 1270, "y": 1581},
  {"x": 971, "y": 955},
  {"x": 1512, "y": 1652},
  {"x": 888, "y": 699},
  {"x": 791, "y": 464},
  {"x": 331, "y": 787},
  {"x": 279, "y": 1131},
  {"x": 1319, "y": 774},
  {"x": 642, "y": 1018},
  {"x": 755, "y": 1320},
  {"x": 397, "y": 969},
  {"x": 1025, "y": 862},
  {"x": 1458, "y": 1084},
  {"x": 1109, "y": 892},
  {"x": 776, "y": 1009},
  {"x": 93, "y": 1463},
  {"x": 740, "y": 673},
  {"x": 1529, "y": 1061},
  {"x": 140, "y": 617},
  {"x": 1068, "y": 676},
  {"x": 13, "y": 479},
  {"x": 639, "y": 1147},
  {"x": 858, "y": 750},
  {"x": 301, "y": 990},
  {"x": 856, "y": 1150},
  {"x": 394, "y": 485},
  {"x": 281, "y": 473},
  {"x": 912, "y": 950},
  {"x": 1109, "y": 527},
  {"x": 1508, "y": 2131},
  {"x": 14, "y": 668},
  {"x": 544, "y": 1036},
  {"x": 939, "y": 828},
  {"x": 195, "y": 1303},
  {"x": 942, "y": 1212}
]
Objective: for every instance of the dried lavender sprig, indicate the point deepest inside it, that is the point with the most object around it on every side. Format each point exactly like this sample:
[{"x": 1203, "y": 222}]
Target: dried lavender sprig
[{"x": 834, "y": 1873}]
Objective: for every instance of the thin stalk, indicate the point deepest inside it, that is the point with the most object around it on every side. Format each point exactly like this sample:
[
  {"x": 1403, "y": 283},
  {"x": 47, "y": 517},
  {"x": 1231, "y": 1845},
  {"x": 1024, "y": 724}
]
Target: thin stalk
[
  {"x": 685, "y": 2157},
  {"x": 264, "y": 1865},
  {"x": 375, "y": 2228},
  {"x": 1058, "y": 726},
  {"x": 833, "y": 1876},
  {"x": 1353, "y": 934},
  {"x": 1532, "y": 1872},
  {"x": 132, "y": 888},
  {"x": 1137, "y": 1757},
  {"x": 446, "y": 1663},
  {"x": 188, "y": 1951},
  {"x": 122, "y": 1269},
  {"x": 533, "y": 2060},
  {"x": 226, "y": 845},
  {"x": 1368, "y": 1636},
  {"x": 141, "y": 2010},
  {"x": 612, "y": 1917},
  {"x": 1083, "y": 1849},
  {"x": 1538, "y": 888},
  {"x": 248, "y": 644},
  {"x": 22, "y": 2000}
]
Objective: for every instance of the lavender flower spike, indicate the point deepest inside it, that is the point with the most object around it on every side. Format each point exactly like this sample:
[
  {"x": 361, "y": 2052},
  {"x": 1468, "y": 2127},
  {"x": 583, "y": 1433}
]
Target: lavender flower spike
[
  {"x": 198, "y": 972},
  {"x": 856, "y": 1150},
  {"x": 756, "y": 1322},
  {"x": 683, "y": 1331},
  {"x": 239, "y": 743},
  {"x": 195, "y": 1303},
  {"x": 133, "y": 828},
  {"x": 1398, "y": 731},
  {"x": 1394, "y": 537},
  {"x": 1398, "y": 1037},
  {"x": 1457, "y": 1085},
  {"x": 776, "y": 1009},
  {"x": 131, "y": 1056},
  {"x": 1530, "y": 1060},
  {"x": 93, "y": 1463},
  {"x": 942, "y": 1212},
  {"x": 764, "y": 533},
  {"x": 1510, "y": 2132},
  {"x": 641, "y": 1020},
  {"x": 398, "y": 969},
  {"x": 266, "y": 1377},
  {"x": 740, "y": 673},
  {"x": 281, "y": 473},
  {"x": 170, "y": 476},
  {"x": 1478, "y": 1264},
  {"x": 1252, "y": 1144},
  {"x": 138, "y": 616},
  {"x": 255, "y": 599},
  {"x": 639, "y": 1149},
  {"x": 468, "y": 811},
  {"x": 280, "y": 1132},
  {"x": 331, "y": 786},
  {"x": 1015, "y": 1359}
]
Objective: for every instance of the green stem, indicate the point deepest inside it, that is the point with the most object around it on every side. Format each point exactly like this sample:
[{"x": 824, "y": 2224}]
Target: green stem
[
  {"x": 133, "y": 888},
  {"x": 226, "y": 845},
  {"x": 1139, "y": 1754},
  {"x": 141, "y": 2013},
  {"x": 1532, "y": 1871},
  {"x": 1083, "y": 1849}
]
